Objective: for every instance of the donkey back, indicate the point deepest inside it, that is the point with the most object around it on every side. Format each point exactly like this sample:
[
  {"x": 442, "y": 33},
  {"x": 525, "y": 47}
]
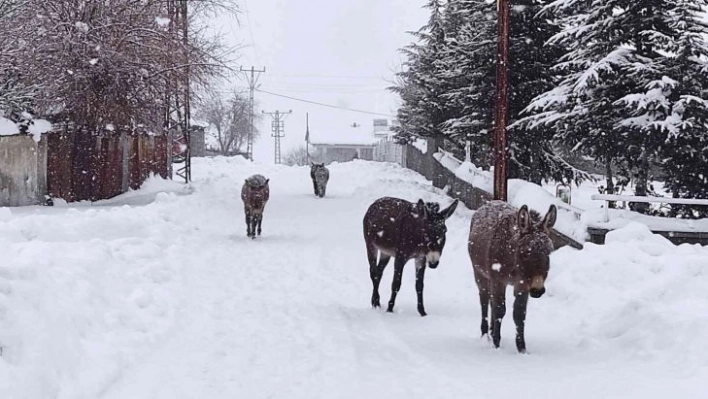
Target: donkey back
[{"x": 320, "y": 176}]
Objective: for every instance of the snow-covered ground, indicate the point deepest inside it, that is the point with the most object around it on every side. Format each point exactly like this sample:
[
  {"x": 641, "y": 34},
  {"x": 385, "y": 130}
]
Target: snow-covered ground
[{"x": 159, "y": 294}]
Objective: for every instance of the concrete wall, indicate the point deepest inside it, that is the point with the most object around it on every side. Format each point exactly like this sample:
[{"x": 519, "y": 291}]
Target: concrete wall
[{"x": 23, "y": 166}]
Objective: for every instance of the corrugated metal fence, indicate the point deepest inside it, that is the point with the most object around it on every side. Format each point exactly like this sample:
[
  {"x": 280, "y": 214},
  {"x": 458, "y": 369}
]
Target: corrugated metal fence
[{"x": 77, "y": 165}]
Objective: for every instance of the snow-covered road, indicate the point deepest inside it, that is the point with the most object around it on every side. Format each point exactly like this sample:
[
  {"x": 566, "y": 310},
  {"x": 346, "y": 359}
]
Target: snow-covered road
[{"x": 163, "y": 296}]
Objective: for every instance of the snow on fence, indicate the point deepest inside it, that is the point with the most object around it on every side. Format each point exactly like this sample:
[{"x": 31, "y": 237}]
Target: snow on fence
[
  {"x": 78, "y": 165},
  {"x": 635, "y": 198},
  {"x": 471, "y": 186},
  {"x": 387, "y": 150}
]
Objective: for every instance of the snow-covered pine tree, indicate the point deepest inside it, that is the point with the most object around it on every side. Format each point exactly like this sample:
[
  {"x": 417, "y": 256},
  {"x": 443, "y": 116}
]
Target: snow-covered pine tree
[
  {"x": 531, "y": 151},
  {"x": 685, "y": 150},
  {"x": 612, "y": 102},
  {"x": 422, "y": 109},
  {"x": 467, "y": 71}
]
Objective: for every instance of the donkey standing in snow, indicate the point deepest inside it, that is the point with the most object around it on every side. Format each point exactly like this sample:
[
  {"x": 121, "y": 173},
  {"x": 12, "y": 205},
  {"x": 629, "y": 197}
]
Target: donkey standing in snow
[
  {"x": 509, "y": 248},
  {"x": 320, "y": 176},
  {"x": 395, "y": 227},
  {"x": 254, "y": 193}
]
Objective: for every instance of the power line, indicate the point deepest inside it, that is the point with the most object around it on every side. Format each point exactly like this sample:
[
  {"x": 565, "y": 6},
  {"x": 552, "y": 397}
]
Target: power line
[
  {"x": 250, "y": 30},
  {"x": 324, "y": 105},
  {"x": 330, "y": 76}
]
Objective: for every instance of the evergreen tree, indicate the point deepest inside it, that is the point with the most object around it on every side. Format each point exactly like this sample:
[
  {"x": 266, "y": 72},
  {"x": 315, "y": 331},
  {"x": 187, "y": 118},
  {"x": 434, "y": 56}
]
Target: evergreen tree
[
  {"x": 613, "y": 101},
  {"x": 422, "y": 110},
  {"x": 468, "y": 67},
  {"x": 685, "y": 149}
]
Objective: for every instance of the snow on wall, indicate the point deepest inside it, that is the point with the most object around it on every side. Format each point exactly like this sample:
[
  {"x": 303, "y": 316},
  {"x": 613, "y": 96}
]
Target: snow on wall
[{"x": 520, "y": 192}]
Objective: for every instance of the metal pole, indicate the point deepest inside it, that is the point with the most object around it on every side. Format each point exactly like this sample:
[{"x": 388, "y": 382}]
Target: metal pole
[
  {"x": 252, "y": 87},
  {"x": 307, "y": 135},
  {"x": 502, "y": 106},
  {"x": 277, "y": 126}
]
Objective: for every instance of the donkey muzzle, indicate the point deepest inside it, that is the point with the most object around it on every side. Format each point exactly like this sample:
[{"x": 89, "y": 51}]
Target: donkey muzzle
[
  {"x": 537, "y": 287},
  {"x": 433, "y": 259}
]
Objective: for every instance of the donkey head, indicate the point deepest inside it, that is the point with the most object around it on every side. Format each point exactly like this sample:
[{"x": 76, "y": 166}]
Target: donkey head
[
  {"x": 534, "y": 248},
  {"x": 431, "y": 223}
]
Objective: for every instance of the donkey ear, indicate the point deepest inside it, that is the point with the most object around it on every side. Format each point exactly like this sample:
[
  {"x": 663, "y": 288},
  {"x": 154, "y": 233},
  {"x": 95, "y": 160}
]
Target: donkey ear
[
  {"x": 420, "y": 208},
  {"x": 550, "y": 219},
  {"x": 450, "y": 209},
  {"x": 266, "y": 182},
  {"x": 524, "y": 219}
]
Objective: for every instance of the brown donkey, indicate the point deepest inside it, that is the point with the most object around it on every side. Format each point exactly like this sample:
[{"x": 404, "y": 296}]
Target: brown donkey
[
  {"x": 254, "y": 193},
  {"x": 395, "y": 227},
  {"x": 509, "y": 248}
]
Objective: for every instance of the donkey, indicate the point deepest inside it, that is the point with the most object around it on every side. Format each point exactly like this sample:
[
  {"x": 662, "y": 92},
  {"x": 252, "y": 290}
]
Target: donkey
[
  {"x": 509, "y": 248},
  {"x": 320, "y": 176},
  {"x": 395, "y": 227},
  {"x": 254, "y": 193}
]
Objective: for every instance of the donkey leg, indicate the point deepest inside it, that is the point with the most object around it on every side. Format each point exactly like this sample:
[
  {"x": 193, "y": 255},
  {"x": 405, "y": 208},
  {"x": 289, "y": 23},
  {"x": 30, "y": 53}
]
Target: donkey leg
[
  {"x": 498, "y": 310},
  {"x": 259, "y": 221},
  {"x": 375, "y": 272},
  {"x": 419, "y": 276},
  {"x": 522, "y": 299},
  {"x": 378, "y": 274},
  {"x": 371, "y": 256},
  {"x": 248, "y": 224},
  {"x": 483, "y": 287},
  {"x": 397, "y": 277}
]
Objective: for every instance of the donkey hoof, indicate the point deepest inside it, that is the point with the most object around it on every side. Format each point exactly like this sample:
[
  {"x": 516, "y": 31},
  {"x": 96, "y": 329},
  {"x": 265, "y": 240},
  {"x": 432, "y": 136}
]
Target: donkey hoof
[
  {"x": 422, "y": 313},
  {"x": 389, "y": 309}
]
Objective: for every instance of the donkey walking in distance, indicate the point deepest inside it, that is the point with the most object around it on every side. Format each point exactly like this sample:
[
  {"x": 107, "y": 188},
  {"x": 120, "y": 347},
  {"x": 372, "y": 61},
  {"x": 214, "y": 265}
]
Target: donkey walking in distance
[
  {"x": 404, "y": 230},
  {"x": 254, "y": 193},
  {"x": 320, "y": 176},
  {"x": 509, "y": 248}
]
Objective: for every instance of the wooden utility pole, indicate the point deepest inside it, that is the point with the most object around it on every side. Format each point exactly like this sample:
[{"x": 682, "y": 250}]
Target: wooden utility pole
[
  {"x": 502, "y": 106},
  {"x": 252, "y": 86},
  {"x": 278, "y": 128}
]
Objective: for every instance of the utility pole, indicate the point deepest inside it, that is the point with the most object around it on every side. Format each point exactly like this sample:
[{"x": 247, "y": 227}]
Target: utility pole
[
  {"x": 178, "y": 106},
  {"x": 252, "y": 79},
  {"x": 307, "y": 135},
  {"x": 502, "y": 106},
  {"x": 277, "y": 127}
]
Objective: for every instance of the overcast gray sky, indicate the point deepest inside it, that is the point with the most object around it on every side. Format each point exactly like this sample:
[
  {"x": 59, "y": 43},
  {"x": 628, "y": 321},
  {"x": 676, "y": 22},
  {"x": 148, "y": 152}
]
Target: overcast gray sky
[{"x": 338, "y": 52}]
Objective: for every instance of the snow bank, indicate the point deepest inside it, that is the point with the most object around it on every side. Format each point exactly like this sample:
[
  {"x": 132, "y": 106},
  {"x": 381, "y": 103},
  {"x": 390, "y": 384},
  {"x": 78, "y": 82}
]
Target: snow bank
[
  {"x": 8, "y": 127},
  {"x": 638, "y": 297},
  {"x": 520, "y": 192}
]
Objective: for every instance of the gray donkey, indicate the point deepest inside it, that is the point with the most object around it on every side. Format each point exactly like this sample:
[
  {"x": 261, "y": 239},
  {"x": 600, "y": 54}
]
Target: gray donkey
[
  {"x": 509, "y": 247},
  {"x": 320, "y": 176},
  {"x": 254, "y": 193}
]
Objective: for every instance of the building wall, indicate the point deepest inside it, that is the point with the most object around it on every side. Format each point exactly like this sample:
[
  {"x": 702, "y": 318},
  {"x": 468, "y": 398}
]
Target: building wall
[
  {"x": 329, "y": 154},
  {"x": 23, "y": 179}
]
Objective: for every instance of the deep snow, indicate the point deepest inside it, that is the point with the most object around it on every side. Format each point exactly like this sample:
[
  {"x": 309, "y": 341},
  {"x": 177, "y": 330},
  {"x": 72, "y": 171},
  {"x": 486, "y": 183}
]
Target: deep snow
[{"x": 159, "y": 294}]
